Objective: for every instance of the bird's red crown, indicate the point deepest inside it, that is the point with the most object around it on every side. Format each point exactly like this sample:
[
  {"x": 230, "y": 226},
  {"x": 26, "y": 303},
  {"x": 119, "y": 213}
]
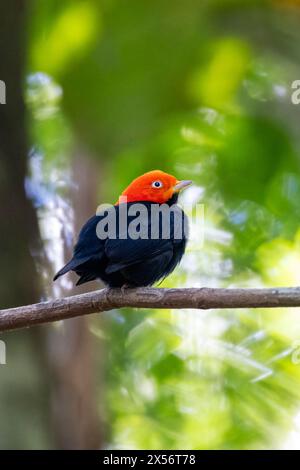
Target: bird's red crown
[{"x": 154, "y": 186}]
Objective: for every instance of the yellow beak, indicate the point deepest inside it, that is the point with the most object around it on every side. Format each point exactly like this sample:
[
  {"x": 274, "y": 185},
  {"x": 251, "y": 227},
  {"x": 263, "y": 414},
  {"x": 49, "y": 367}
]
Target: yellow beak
[{"x": 180, "y": 185}]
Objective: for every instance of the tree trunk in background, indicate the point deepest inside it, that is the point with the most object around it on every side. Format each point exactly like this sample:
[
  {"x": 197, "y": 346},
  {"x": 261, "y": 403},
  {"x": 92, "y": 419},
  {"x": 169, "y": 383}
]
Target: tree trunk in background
[
  {"x": 76, "y": 419},
  {"x": 19, "y": 230},
  {"x": 25, "y": 374},
  {"x": 73, "y": 399}
]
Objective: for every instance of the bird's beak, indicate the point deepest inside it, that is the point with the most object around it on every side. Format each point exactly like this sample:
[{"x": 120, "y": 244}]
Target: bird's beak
[{"x": 180, "y": 185}]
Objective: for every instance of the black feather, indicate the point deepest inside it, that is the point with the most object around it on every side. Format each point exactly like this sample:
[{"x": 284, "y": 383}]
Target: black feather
[
  {"x": 118, "y": 261},
  {"x": 70, "y": 266}
]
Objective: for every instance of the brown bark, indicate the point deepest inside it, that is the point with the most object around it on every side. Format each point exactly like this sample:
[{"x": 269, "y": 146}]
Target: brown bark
[{"x": 108, "y": 299}]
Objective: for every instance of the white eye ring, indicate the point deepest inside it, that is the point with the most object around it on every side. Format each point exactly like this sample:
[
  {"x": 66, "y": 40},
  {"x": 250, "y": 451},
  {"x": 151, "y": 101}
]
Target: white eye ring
[{"x": 157, "y": 184}]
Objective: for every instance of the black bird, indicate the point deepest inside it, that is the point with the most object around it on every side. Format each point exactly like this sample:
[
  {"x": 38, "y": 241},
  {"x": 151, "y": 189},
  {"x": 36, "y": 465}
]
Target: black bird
[{"x": 138, "y": 241}]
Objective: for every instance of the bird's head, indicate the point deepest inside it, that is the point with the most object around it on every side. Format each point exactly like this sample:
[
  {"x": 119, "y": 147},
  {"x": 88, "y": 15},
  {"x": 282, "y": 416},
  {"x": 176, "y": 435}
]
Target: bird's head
[{"x": 154, "y": 186}]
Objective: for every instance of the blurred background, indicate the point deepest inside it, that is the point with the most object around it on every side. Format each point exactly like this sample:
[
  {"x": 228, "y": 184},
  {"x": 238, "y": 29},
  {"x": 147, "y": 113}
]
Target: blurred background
[{"x": 99, "y": 92}]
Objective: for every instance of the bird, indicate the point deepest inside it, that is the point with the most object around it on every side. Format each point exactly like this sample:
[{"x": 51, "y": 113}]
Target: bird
[{"x": 149, "y": 248}]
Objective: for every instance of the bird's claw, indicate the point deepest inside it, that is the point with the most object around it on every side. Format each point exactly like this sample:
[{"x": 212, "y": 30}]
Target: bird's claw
[{"x": 124, "y": 287}]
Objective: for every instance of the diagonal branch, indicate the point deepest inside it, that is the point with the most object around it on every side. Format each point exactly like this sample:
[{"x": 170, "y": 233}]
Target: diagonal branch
[{"x": 107, "y": 299}]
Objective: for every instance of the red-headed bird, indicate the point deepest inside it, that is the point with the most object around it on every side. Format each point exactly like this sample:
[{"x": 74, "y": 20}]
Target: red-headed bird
[{"x": 152, "y": 245}]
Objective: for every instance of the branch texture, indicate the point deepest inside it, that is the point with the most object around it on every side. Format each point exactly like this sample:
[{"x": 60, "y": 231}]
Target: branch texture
[{"x": 107, "y": 299}]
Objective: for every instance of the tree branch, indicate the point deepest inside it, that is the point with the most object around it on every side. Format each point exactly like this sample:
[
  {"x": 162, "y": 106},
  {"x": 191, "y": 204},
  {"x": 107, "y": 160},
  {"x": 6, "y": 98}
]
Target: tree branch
[{"x": 107, "y": 299}]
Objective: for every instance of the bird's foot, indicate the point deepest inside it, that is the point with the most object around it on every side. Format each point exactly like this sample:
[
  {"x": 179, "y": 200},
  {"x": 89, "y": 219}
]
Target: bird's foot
[{"x": 124, "y": 287}]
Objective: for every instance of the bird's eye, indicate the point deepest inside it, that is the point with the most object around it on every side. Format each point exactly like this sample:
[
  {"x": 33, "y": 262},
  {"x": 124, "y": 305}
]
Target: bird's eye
[{"x": 157, "y": 184}]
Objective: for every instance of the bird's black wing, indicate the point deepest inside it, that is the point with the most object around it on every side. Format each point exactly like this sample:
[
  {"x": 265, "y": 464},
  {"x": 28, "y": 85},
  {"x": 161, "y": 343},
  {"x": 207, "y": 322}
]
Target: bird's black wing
[
  {"x": 124, "y": 253},
  {"x": 140, "y": 262},
  {"x": 150, "y": 258},
  {"x": 114, "y": 259},
  {"x": 88, "y": 249},
  {"x": 89, "y": 244}
]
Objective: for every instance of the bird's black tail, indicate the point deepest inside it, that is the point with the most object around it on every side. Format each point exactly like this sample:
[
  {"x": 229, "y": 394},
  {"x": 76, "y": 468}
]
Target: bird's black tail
[{"x": 70, "y": 266}]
